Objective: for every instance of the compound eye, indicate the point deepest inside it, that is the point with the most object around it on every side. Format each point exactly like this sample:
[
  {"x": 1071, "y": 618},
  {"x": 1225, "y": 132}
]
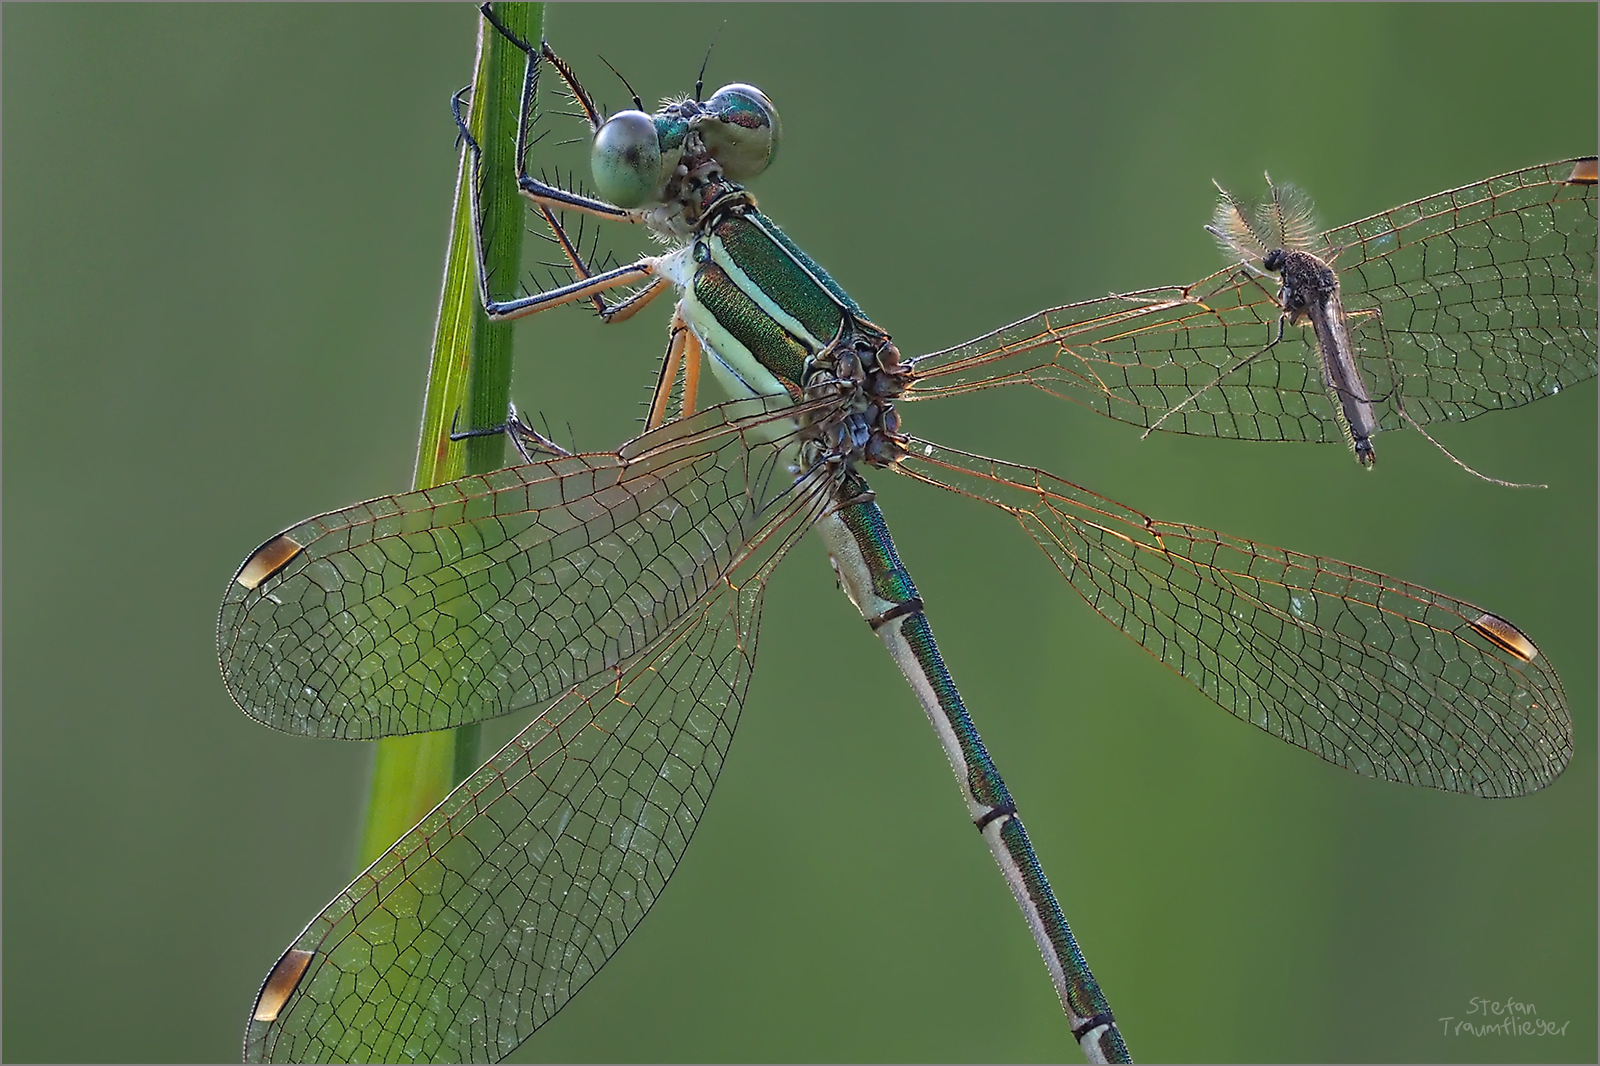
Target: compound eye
[
  {"x": 1274, "y": 260},
  {"x": 626, "y": 159},
  {"x": 741, "y": 129}
]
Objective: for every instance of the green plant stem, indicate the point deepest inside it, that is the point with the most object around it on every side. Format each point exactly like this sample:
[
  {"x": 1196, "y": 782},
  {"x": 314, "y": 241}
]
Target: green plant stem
[{"x": 469, "y": 382}]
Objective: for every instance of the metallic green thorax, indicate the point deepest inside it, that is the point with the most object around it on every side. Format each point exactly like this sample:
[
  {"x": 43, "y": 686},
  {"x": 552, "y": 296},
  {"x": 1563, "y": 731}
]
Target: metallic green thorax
[{"x": 753, "y": 286}]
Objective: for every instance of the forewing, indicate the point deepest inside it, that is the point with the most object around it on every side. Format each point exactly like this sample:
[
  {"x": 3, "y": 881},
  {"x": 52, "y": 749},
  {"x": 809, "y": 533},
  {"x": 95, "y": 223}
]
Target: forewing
[
  {"x": 1385, "y": 678},
  {"x": 454, "y": 604}
]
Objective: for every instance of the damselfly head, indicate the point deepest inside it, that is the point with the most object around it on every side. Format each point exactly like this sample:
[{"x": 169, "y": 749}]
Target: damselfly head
[
  {"x": 626, "y": 158},
  {"x": 741, "y": 129},
  {"x": 634, "y": 155}
]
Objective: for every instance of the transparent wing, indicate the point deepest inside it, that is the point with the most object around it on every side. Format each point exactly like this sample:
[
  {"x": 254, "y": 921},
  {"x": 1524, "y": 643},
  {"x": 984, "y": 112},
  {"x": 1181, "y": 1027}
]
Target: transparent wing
[
  {"x": 449, "y": 605},
  {"x": 1385, "y": 678},
  {"x": 1486, "y": 293},
  {"x": 484, "y": 920},
  {"x": 1476, "y": 299}
]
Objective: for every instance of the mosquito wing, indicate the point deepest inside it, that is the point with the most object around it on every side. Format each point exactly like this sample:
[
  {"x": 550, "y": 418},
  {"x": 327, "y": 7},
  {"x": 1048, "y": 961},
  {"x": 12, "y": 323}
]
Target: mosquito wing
[{"x": 1385, "y": 678}]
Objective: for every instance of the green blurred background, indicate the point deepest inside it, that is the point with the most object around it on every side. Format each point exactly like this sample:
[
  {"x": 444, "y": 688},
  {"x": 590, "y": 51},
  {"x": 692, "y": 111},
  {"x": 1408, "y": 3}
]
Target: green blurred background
[{"x": 224, "y": 227}]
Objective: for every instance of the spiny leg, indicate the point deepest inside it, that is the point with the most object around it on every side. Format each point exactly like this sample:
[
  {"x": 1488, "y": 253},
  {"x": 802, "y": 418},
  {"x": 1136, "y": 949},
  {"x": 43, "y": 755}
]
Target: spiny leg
[
  {"x": 589, "y": 284},
  {"x": 620, "y": 311},
  {"x": 670, "y": 365},
  {"x": 538, "y": 191},
  {"x": 583, "y": 288},
  {"x": 682, "y": 363},
  {"x": 532, "y": 445}
]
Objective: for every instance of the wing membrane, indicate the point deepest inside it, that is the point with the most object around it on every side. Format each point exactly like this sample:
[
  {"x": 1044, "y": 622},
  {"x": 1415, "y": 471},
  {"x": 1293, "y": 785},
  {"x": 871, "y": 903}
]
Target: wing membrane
[
  {"x": 1379, "y": 676},
  {"x": 450, "y": 605},
  {"x": 1472, "y": 300},
  {"x": 1486, "y": 293},
  {"x": 484, "y": 920}
]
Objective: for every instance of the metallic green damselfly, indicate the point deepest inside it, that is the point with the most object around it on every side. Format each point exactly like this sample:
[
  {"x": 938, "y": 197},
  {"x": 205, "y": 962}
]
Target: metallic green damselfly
[{"x": 623, "y": 590}]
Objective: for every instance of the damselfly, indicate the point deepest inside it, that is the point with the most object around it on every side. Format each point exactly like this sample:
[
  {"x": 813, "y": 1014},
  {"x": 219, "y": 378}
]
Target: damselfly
[{"x": 621, "y": 592}]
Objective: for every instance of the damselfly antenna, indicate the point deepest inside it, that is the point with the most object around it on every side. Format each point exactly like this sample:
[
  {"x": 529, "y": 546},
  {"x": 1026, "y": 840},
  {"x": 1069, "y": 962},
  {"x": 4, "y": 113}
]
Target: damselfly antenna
[
  {"x": 638, "y": 104},
  {"x": 700, "y": 78}
]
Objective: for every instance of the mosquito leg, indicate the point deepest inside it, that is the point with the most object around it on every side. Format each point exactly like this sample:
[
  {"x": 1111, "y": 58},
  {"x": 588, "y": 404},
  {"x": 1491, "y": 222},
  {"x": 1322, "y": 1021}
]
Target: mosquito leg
[
  {"x": 1226, "y": 372},
  {"x": 1396, "y": 395},
  {"x": 1222, "y": 376}
]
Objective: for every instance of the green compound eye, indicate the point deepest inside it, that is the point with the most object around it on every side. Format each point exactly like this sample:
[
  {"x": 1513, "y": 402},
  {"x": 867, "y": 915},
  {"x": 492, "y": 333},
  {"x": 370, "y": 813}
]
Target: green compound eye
[
  {"x": 626, "y": 159},
  {"x": 741, "y": 129}
]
